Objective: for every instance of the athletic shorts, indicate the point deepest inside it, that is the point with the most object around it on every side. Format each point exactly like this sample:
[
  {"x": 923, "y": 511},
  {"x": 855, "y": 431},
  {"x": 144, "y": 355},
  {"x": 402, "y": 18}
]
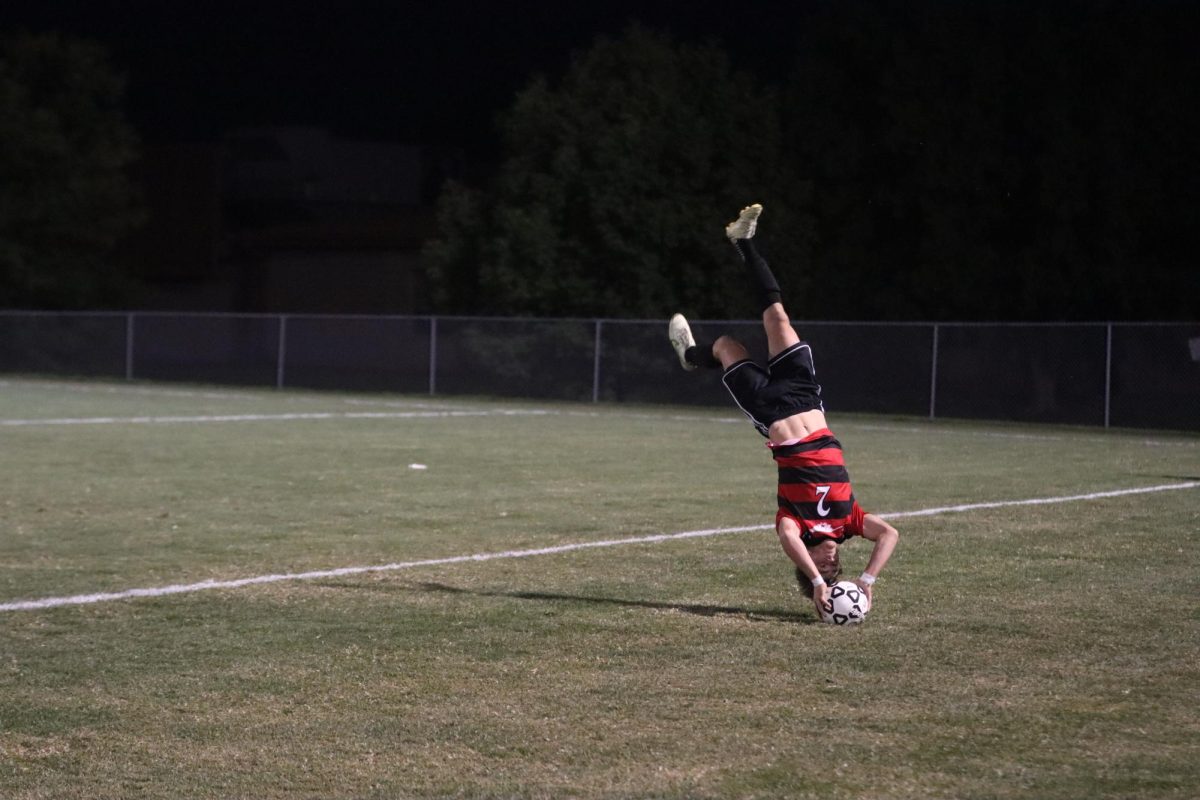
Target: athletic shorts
[{"x": 787, "y": 386}]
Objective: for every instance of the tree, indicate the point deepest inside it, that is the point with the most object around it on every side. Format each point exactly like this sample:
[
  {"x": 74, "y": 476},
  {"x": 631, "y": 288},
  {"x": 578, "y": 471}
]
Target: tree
[
  {"x": 65, "y": 198},
  {"x": 614, "y": 187},
  {"x": 1000, "y": 161}
]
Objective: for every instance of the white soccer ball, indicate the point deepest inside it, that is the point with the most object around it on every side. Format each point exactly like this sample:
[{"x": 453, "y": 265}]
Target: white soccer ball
[{"x": 848, "y": 604}]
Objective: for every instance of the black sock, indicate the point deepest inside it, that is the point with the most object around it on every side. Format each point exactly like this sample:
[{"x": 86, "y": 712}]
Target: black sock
[
  {"x": 701, "y": 355},
  {"x": 762, "y": 279}
]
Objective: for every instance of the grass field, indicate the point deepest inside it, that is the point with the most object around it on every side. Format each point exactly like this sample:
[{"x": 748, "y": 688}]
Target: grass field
[{"x": 1015, "y": 650}]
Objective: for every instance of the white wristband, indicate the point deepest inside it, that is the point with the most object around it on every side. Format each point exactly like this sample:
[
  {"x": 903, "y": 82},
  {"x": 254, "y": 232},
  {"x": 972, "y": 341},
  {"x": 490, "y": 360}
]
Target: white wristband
[
  {"x": 818, "y": 581},
  {"x": 867, "y": 578}
]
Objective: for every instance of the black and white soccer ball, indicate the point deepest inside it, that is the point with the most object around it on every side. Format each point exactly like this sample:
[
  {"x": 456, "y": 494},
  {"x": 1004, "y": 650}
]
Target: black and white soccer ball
[{"x": 848, "y": 604}]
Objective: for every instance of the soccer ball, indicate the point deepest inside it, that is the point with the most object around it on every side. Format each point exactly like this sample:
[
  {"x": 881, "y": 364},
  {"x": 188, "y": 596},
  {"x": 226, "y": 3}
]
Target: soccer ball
[{"x": 848, "y": 604}]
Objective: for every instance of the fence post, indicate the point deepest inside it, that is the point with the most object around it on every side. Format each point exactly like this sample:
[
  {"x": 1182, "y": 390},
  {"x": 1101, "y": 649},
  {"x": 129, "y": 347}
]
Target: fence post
[
  {"x": 129, "y": 346},
  {"x": 933, "y": 373},
  {"x": 596, "y": 365},
  {"x": 1108, "y": 374},
  {"x": 433, "y": 355},
  {"x": 281, "y": 356}
]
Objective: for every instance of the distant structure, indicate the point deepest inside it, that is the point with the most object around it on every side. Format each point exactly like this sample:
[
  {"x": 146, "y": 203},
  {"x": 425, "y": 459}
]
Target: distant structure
[{"x": 287, "y": 220}]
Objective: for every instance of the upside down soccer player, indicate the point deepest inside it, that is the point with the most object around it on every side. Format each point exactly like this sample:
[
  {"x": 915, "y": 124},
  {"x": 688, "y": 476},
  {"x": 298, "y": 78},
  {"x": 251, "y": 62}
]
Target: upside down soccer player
[{"x": 817, "y": 510}]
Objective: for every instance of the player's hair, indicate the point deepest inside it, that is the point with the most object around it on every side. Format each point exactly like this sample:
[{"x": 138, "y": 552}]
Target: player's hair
[{"x": 830, "y": 578}]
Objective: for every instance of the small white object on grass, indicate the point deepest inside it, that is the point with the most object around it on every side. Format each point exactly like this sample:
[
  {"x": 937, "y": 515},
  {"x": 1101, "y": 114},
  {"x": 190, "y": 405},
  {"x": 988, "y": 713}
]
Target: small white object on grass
[{"x": 417, "y": 466}]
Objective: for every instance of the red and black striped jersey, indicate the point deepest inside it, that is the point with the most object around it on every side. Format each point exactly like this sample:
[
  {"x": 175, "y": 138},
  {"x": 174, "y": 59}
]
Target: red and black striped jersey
[{"x": 814, "y": 489}]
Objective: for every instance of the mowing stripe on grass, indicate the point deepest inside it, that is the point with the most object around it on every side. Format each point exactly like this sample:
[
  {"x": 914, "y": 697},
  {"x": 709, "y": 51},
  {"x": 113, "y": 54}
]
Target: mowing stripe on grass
[{"x": 160, "y": 591}]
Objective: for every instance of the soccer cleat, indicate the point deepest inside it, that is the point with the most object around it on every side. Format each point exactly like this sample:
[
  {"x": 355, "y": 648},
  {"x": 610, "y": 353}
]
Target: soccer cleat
[
  {"x": 743, "y": 227},
  {"x": 680, "y": 334}
]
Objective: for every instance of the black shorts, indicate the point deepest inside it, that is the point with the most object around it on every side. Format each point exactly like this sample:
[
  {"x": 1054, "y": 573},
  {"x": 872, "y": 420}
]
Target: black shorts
[{"x": 787, "y": 386}]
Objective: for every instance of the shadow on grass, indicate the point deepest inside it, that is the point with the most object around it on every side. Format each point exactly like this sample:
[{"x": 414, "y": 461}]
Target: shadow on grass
[
  {"x": 752, "y": 614},
  {"x": 757, "y": 615}
]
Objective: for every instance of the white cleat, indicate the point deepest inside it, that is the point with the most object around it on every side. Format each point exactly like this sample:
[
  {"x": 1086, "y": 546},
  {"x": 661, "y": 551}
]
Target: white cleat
[
  {"x": 743, "y": 227},
  {"x": 680, "y": 334}
]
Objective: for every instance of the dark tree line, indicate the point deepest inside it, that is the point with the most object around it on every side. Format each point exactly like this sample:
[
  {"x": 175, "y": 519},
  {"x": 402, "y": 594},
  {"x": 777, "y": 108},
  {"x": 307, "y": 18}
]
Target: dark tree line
[
  {"x": 918, "y": 159},
  {"x": 921, "y": 160},
  {"x": 65, "y": 194},
  {"x": 612, "y": 180}
]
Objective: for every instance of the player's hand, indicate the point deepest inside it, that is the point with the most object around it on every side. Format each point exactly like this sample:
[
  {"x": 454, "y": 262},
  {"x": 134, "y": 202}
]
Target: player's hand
[
  {"x": 866, "y": 587},
  {"x": 821, "y": 600}
]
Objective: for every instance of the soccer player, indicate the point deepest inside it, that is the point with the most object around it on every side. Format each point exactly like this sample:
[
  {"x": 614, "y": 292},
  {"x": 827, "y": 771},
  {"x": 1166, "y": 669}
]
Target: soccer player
[{"x": 817, "y": 510}]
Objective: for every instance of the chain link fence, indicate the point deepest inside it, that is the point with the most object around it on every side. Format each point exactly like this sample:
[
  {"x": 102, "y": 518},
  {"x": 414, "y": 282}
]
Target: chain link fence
[{"x": 1137, "y": 375}]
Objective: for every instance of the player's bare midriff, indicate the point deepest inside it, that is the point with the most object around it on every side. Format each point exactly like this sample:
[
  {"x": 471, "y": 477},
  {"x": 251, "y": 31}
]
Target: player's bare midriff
[{"x": 796, "y": 426}]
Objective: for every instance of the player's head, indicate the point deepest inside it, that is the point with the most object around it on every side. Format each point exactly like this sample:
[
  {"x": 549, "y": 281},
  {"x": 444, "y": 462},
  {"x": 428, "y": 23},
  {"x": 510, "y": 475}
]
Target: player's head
[{"x": 827, "y": 558}]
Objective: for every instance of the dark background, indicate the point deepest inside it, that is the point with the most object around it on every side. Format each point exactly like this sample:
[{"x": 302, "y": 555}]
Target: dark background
[
  {"x": 211, "y": 87},
  {"x": 423, "y": 72}
]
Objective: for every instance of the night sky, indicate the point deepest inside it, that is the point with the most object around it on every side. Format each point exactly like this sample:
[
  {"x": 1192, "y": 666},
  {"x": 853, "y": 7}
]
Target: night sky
[
  {"x": 1061, "y": 132},
  {"x": 429, "y": 73}
]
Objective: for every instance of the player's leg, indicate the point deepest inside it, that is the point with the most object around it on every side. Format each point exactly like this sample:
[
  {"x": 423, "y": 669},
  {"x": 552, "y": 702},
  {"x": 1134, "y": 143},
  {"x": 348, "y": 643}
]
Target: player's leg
[
  {"x": 723, "y": 353},
  {"x": 780, "y": 333},
  {"x": 729, "y": 351},
  {"x": 778, "y": 327},
  {"x": 741, "y": 233},
  {"x": 744, "y": 379}
]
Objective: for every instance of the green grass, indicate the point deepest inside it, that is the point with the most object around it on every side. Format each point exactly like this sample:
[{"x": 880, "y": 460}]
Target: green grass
[{"x": 1026, "y": 651}]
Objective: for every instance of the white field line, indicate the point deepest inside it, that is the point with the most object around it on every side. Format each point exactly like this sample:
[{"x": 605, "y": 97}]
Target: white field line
[
  {"x": 913, "y": 429},
  {"x": 160, "y": 591},
  {"x": 843, "y": 425},
  {"x": 1035, "y": 437},
  {"x": 429, "y": 412},
  {"x": 379, "y": 402},
  {"x": 426, "y": 412},
  {"x": 100, "y": 388},
  {"x": 438, "y": 410},
  {"x": 312, "y": 415},
  {"x": 358, "y": 401},
  {"x": 209, "y": 394},
  {"x": 1041, "y": 501}
]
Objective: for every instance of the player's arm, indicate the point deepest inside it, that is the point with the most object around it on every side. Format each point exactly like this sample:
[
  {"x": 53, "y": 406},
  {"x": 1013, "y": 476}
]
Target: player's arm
[
  {"x": 789, "y": 536},
  {"x": 885, "y": 537}
]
